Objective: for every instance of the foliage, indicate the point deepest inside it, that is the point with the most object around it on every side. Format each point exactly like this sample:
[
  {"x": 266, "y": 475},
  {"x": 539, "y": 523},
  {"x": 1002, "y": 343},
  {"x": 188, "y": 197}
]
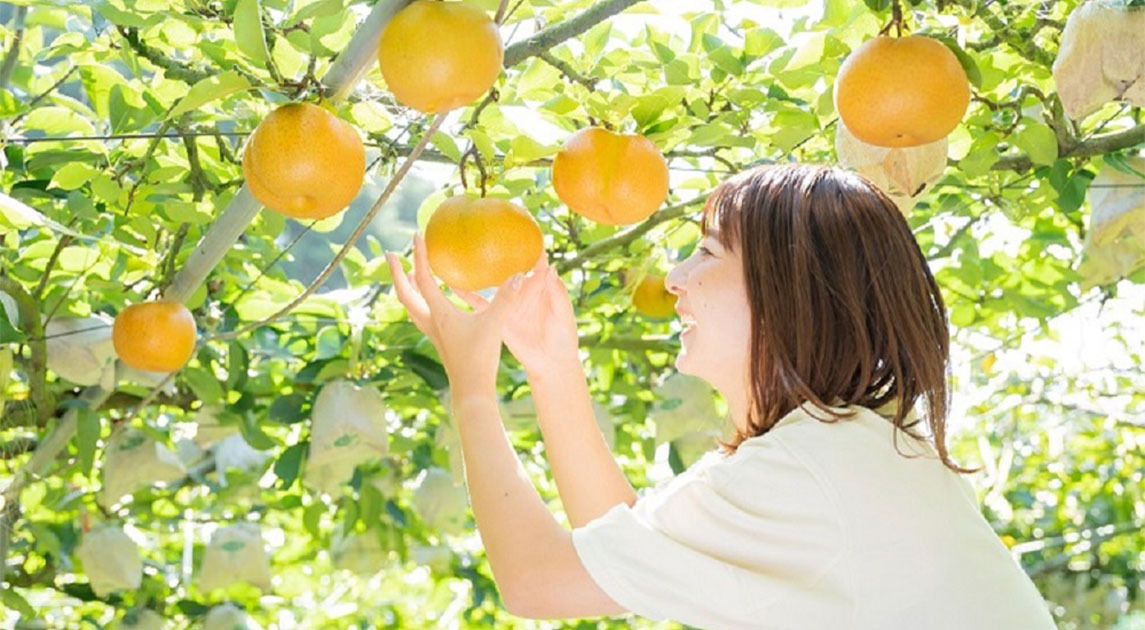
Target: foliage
[{"x": 124, "y": 122}]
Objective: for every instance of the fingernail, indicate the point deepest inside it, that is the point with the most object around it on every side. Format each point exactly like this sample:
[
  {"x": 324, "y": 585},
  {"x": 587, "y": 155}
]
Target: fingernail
[{"x": 517, "y": 280}]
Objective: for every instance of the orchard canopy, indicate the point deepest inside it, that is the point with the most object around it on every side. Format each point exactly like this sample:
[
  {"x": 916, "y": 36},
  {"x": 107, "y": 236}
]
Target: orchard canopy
[{"x": 299, "y": 469}]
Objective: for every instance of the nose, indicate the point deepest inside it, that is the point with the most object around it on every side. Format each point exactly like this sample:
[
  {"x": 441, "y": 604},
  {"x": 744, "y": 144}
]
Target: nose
[{"x": 674, "y": 281}]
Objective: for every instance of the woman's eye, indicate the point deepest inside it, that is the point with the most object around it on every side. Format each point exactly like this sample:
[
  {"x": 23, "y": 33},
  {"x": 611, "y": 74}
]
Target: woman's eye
[{"x": 704, "y": 250}]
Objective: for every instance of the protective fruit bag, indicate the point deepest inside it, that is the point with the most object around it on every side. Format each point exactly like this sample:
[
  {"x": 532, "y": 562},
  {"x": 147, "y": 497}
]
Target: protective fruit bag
[
  {"x": 235, "y": 554},
  {"x": 1115, "y": 241},
  {"x": 1101, "y": 57},
  {"x": 440, "y": 501},
  {"x": 233, "y": 453},
  {"x": 348, "y": 428},
  {"x": 110, "y": 560},
  {"x": 229, "y": 617},
  {"x": 132, "y": 461},
  {"x": 905, "y": 175},
  {"x": 80, "y": 350},
  {"x": 684, "y": 404},
  {"x": 142, "y": 619},
  {"x": 360, "y": 553}
]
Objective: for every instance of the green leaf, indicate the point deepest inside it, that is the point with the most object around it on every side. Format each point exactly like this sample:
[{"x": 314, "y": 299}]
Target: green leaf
[
  {"x": 429, "y": 370},
  {"x": 312, "y": 518},
  {"x": 322, "y": 8},
  {"x": 87, "y": 435},
  {"x": 1038, "y": 141},
  {"x": 963, "y": 314},
  {"x": 9, "y": 334},
  {"x": 253, "y": 433},
  {"x": 73, "y": 175},
  {"x": 16, "y": 602},
  {"x": 444, "y": 142},
  {"x": 210, "y": 89},
  {"x": 249, "y": 35},
  {"x": 877, "y": 6},
  {"x": 289, "y": 409},
  {"x": 973, "y": 74},
  {"x": 204, "y": 384},
  {"x": 329, "y": 343},
  {"x": 289, "y": 463}
]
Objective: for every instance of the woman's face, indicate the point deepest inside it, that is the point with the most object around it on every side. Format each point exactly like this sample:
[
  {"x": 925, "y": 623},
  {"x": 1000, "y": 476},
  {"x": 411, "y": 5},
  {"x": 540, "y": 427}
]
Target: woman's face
[{"x": 712, "y": 303}]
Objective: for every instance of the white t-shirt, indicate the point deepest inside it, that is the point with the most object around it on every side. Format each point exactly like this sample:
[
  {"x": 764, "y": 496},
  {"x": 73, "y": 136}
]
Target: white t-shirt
[{"x": 813, "y": 525}]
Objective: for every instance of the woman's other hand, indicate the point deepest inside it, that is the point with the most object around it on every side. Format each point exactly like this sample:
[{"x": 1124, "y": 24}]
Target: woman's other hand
[
  {"x": 469, "y": 343},
  {"x": 537, "y": 323}
]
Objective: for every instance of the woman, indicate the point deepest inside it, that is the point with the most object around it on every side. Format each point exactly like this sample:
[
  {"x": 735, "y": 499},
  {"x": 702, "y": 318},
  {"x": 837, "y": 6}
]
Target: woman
[{"x": 809, "y": 306}]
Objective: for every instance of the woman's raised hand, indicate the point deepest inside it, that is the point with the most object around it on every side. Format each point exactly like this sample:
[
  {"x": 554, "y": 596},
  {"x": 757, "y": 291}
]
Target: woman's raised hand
[
  {"x": 537, "y": 321},
  {"x": 469, "y": 343}
]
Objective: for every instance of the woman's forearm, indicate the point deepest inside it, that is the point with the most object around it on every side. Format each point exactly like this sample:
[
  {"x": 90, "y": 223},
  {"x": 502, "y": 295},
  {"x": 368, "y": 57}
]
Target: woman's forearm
[
  {"x": 587, "y": 475},
  {"x": 517, "y": 529}
]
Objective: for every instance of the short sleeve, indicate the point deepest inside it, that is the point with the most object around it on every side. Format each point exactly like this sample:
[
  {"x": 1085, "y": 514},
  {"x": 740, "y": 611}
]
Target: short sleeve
[{"x": 726, "y": 542}]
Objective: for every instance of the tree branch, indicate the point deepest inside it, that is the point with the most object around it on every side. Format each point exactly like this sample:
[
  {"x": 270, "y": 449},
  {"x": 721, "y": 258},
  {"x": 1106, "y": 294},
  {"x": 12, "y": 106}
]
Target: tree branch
[
  {"x": 627, "y": 236},
  {"x": 17, "y": 447},
  {"x": 1023, "y": 43},
  {"x": 561, "y": 31},
  {"x": 631, "y": 344},
  {"x": 171, "y": 68},
  {"x": 1094, "y": 145},
  {"x": 13, "y": 55},
  {"x": 30, "y": 322},
  {"x": 567, "y": 70}
]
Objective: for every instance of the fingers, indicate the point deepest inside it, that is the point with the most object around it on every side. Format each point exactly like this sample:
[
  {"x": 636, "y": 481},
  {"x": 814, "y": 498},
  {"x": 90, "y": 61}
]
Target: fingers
[
  {"x": 430, "y": 291},
  {"x": 542, "y": 264},
  {"x": 472, "y": 299},
  {"x": 506, "y": 293},
  {"x": 408, "y": 295}
]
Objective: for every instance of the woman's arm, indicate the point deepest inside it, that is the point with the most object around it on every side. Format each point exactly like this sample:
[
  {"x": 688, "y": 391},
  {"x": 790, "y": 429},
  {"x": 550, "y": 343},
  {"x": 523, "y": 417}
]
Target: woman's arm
[
  {"x": 539, "y": 327},
  {"x": 532, "y": 557},
  {"x": 587, "y": 475}
]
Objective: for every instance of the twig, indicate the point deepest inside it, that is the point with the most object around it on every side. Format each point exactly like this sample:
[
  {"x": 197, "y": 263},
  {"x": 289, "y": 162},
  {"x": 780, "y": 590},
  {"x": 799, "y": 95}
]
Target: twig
[
  {"x": 620, "y": 240},
  {"x": 567, "y": 70},
  {"x": 171, "y": 68},
  {"x": 1094, "y": 145},
  {"x": 168, "y": 265},
  {"x": 30, "y": 321},
  {"x": 35, "y": 101},
  {"x": 543, "y": 40},
  {"x": 38, "y": 293},
  {"x": 13, "y": 55},
  {"x": 501, "y": 11},
  {"x": 365, "y": 222}
]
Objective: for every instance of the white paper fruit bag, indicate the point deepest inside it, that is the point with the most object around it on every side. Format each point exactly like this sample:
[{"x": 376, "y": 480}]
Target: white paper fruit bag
[
  {"x": 684, "y": 404},
  {"x": 229, "y": 617},
  {"x": 360, "y": 553},
  {"x": 1101, "y": 57},
  {"x": 1115, "y": 241},
  {"x": 349, "y": 428},
  {"x": 440, "y": 502},
  {"x": 143, "y": 619},
  {"x": 133, "y": 461},
  {"x": 903, "y": 174},
  {"x": 80, "y": 350},
  {"x": 110, "y": 560},
  {"x": 235, "y": 554}
]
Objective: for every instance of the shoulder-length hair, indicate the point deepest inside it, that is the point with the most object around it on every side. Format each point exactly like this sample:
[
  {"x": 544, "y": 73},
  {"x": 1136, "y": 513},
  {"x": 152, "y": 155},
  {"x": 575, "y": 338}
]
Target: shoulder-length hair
[{"x": 844, "y": 308}]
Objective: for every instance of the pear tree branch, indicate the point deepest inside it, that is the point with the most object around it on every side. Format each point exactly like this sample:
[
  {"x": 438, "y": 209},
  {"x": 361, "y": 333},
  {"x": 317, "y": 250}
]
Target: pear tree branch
[
  {"x": 30, "y": 322},
  {"x": 1092, "y": 146},
  {"x": 616, "y": 241},
  {"x": 543, "y": 40}
]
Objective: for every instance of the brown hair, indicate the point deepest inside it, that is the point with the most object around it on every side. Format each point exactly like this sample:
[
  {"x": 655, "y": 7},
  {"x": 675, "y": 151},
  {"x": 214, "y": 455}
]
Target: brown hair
[{"x": 844, "y": 308}]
